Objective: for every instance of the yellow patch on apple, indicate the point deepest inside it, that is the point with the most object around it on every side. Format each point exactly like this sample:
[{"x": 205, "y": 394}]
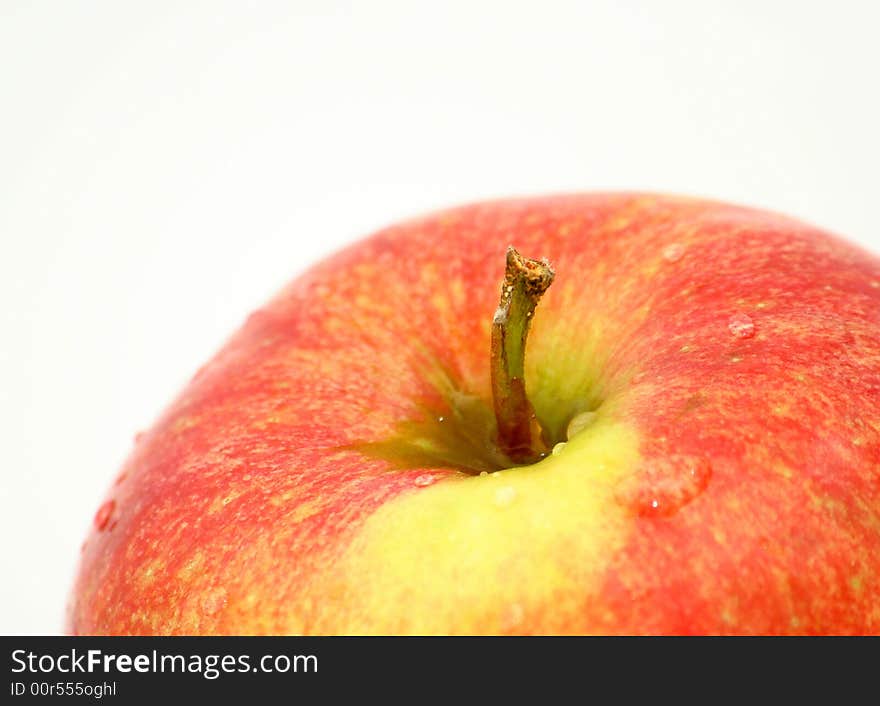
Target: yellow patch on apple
[{"x": 482, "y": 554}]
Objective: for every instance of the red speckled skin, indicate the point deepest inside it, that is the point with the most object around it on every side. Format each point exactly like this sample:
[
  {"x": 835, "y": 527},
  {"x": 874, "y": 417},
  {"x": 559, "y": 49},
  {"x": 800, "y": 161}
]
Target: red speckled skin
[{"x": 235, "y": 512}]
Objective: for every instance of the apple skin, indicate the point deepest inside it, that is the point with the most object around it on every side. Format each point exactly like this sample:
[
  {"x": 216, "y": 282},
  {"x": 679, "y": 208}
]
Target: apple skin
[{"x": 730, "y": 483}]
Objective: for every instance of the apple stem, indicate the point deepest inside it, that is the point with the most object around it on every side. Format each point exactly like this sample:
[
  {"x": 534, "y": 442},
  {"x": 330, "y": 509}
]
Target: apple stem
[{"x": 519, "y": 432}]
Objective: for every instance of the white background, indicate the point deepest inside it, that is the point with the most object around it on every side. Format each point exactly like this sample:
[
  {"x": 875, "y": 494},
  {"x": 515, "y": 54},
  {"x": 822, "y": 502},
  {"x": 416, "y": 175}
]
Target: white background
[{"x": 166, "y": 166}]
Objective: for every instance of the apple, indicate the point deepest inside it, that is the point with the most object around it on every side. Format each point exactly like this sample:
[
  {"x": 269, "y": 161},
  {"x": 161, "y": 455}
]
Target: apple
[{"x": 681, "y": 437}]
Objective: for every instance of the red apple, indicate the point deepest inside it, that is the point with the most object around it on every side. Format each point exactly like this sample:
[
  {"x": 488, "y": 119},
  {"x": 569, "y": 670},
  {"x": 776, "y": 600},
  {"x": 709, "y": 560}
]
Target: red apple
[{"x": 707, "y": 377}]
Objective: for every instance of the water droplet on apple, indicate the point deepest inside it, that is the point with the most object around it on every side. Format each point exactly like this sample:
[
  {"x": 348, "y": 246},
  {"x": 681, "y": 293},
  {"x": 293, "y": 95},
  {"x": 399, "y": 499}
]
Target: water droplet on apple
[
  {"x": 424, "y": 480},
  {"x": 741, "y": 326},
  {"x": 673, "y": 252},
  {"x": 505, "y": 495},
  {"x": 578, "y": 423},
  {"x": 441, "y": 419},
  {"x": 484, "y": 473},
  {"x": 662, "y": 486},
  {"x": 214, "y": 600},
  {"x": 103, "y": 515},
  {"x": 512, "y": 616},
  {"x": 557, "y": 449},
  {"x": 257, "y": 317}
]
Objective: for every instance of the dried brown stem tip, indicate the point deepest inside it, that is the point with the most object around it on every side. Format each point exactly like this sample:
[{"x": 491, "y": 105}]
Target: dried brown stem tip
[{"x": 525, "y": 281}]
